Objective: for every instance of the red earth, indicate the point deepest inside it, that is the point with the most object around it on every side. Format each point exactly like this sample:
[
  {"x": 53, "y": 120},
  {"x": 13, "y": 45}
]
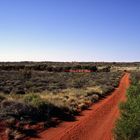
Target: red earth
[
  {"x": 2, "y": 131},
  {"x": 96, "y": 123}
]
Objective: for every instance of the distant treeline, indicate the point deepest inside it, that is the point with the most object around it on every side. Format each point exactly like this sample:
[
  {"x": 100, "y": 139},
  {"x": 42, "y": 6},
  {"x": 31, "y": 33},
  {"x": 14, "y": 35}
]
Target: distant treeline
[
  {"x": 49, "y": 63},
  {"x": 61, "y": 66},
  {"x": 44, "y": 67}
]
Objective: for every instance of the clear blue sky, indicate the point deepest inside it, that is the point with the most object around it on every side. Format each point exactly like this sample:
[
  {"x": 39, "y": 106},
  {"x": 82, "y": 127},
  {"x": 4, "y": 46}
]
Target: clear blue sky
[{"x": 70, "y": 30}]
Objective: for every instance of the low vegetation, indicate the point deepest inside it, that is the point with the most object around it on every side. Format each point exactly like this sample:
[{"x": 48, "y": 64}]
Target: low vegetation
[
  {"x": 22, "y": 82},
  {"x": 128, "y": 126},
  {"x": 29, "y": 97}
]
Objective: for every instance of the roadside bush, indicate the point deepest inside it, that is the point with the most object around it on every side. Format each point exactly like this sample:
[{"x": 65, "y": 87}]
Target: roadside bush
[
  {"x": 95, "y": 98},
  {"x": 36, "y": 101},
  {"x": 128, "y": 126},
  {"x": 15, "y": 109},
  {"x": 43, "y": 108},
  {"x": 106, "y": 89}
]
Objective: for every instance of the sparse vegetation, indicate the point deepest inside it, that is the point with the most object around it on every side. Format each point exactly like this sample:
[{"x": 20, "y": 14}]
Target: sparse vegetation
[{"x": 31, "y": 96}]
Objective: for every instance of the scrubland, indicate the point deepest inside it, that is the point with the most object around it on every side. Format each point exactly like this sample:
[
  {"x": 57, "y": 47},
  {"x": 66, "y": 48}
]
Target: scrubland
[
  {"x": 36, "y": 96},
  {"x": 31, "y": 98}
]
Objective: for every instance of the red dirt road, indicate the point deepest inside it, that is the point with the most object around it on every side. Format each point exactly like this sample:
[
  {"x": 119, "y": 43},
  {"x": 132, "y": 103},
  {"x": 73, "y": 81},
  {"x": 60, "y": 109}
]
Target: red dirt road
[{"x": 94, "y": 124}]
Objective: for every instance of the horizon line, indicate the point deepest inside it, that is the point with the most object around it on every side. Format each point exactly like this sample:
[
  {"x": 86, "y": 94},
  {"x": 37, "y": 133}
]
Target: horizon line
[{"x": 69, "y": 61}]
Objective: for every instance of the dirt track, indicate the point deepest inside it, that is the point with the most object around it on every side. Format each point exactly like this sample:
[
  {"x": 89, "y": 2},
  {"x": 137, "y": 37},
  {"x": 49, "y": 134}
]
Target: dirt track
[{"x": 94, "y": 124}]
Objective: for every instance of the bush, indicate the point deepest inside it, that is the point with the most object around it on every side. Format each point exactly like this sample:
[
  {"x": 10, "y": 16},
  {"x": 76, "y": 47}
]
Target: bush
[
  {"x": 16, "y": 109},
  {"x": 78, "y": 83},
  {"x": 128, "y": 126},
  {"x": 43, "y": 108},
  {"x": 36, "y": 101}
]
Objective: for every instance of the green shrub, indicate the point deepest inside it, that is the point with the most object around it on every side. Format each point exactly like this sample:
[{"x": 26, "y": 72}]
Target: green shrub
[
  {"x": 128, "y": 126},
  {"x": 34, "y": 100},
  {"x": 43, "y": 108}
]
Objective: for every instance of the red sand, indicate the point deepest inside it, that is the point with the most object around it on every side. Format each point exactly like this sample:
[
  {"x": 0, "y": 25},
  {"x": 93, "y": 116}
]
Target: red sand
[
  {"x": 2, "y": 131},
  {"x": 94, "y": 124}
]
